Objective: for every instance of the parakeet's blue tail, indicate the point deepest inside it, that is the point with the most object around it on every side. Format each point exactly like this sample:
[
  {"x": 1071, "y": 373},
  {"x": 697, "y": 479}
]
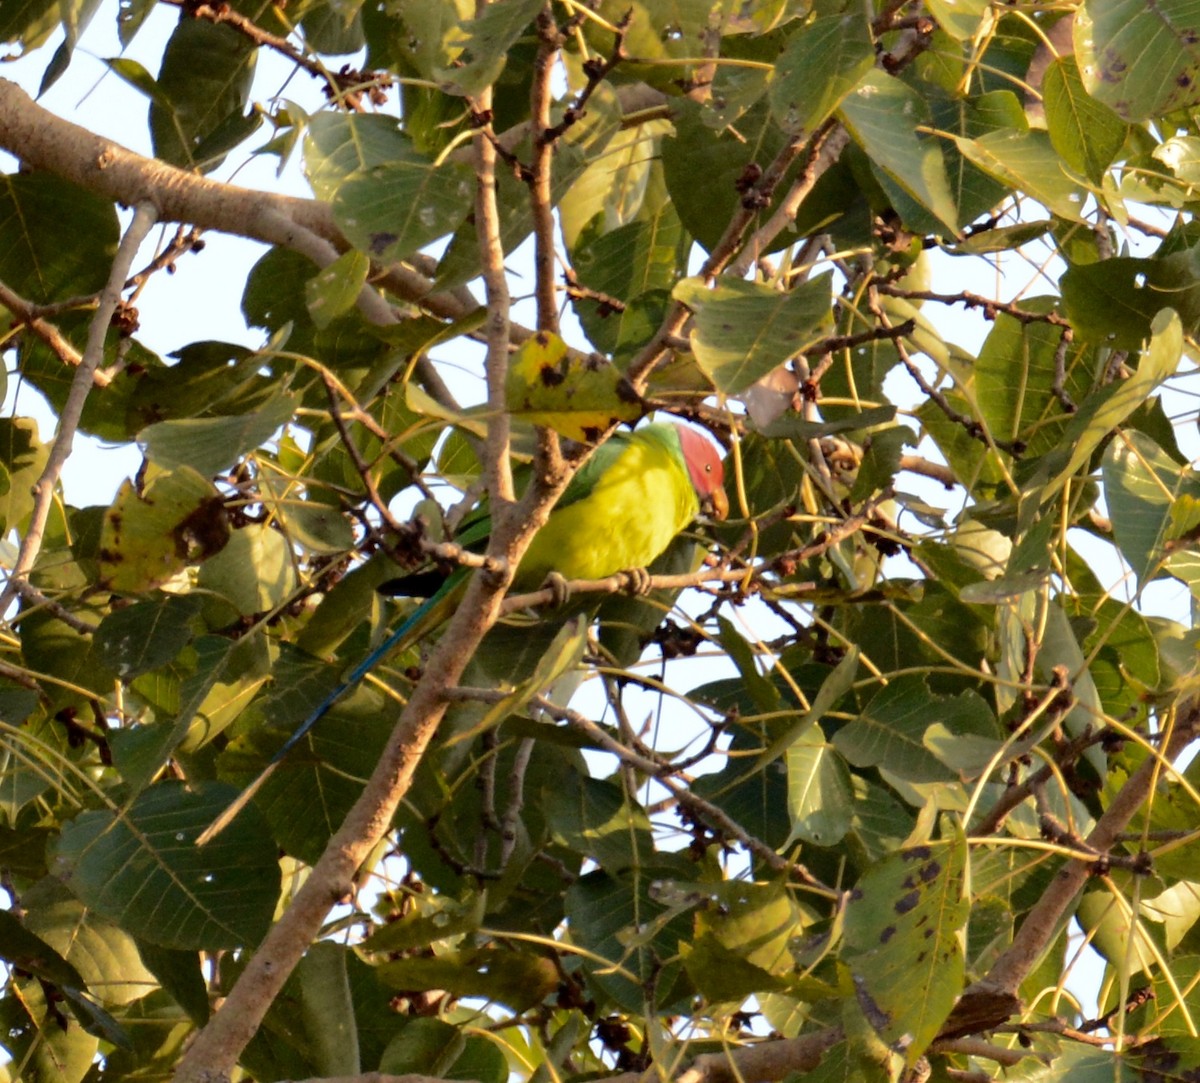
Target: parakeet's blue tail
[{"x": 415, "y": 621}]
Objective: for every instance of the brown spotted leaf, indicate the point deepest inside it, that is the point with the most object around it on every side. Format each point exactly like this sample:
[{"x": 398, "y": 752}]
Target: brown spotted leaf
[
  {"x": 904, "y": 942},
  {"x": 151, "y": 536},
  {"x": 576, "y": 395},
  {"x": 1140, "y": 59}
]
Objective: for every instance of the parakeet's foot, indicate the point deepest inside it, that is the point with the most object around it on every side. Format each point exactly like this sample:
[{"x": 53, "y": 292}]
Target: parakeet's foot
[
  {"x": 637, "y": 581},
  {"x": 557, "y": 585}
]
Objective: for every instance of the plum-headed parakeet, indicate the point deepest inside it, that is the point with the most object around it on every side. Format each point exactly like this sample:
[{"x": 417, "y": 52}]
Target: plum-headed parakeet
[{"x": 620, "y": 512}]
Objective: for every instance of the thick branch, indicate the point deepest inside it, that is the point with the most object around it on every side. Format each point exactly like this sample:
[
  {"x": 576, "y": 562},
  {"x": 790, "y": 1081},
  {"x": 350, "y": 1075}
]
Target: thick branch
[
  {"x": 42, "y": 140},
  {"x": 763, "y": 1062},
  {"x": 993, "y": 998}
]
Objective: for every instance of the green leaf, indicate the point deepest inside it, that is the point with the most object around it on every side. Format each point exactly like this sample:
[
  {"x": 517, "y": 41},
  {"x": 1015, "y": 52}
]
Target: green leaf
[
  {"x": 1060, "y": 647},
  {"x": 743, "y": 330},
  {"x": 478, "y": 47},
  {"x": 37, "y": 1041},
  {"x": 596, "y": 818},
  {"x": 29, "y": 23},
  {"x": 56, "y": 240},
  {"x": 332, "y": 292},
  {"x": 142, "y": 870},
  {"x": 974, "y": 191},
  {"x": 75, "y": 14},
  {"x": 205, "y": 698},
  {"x": 721, "y": 973},
  {"x": 1086, "y": 133},
  {"x": 760, "y": 689},
  {"x": 629, "y": 926},
  {"x": 395, "y": 208},
  {"x": 1145, "y": 490},
  {"x": 105, "y": 957},
  {"x": 898, "y": 151},
  {"x": 1114, "y": 301},
  {"x": 180, "y": 973},
  {"x": 823, "y": 62},
  {"x": 318, "y": 527},
  {"x": 254, "y": 571},
  {"x": 583, "y": 144},
  {"x": 21, "y": 948},
  {"x": 441, "y": 918},
  {"x": 903, "y": 942},
  {"x": 432, "y": 1047},
  {"x": 1026, "y": 161},
  {"x": 514, "y": 978},
  {"x": 959, "y": 18},
  {"x": 1105, "y": 409},
  {"x": 341, "y": 145},
  {"x": 702, "y": 167},
  {"x": 205, "y": 76},
  {"x": 1138, "y": 60},
  {"x": 795, "y": 427},
  {"x": 626, "y": 263},
  {"x": 611, "y": 191},
  {"x": 820, "y": 793},
  {"x": 836, "y": 684},
  {"x": 1014, "y": 379},
  {"x": 133, "y": 73},
  {"x": 22, "y": 460},
  {"x": 326, "y": 1009},
  {"x": 890, "y": 731},
  {"x": 210, "y": 444}
]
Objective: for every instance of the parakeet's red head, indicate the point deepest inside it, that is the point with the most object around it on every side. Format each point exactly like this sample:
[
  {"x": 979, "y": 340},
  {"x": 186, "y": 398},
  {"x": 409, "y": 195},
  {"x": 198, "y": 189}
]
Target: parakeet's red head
[{"x": 706, "y": 470}]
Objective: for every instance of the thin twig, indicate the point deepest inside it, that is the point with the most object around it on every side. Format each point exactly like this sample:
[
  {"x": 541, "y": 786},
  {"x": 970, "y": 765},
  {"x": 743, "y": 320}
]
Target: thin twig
[
  {"x": 989, "y": 305},
  {"x": 144, "y": 217},
  {"x": 345, "y": 87},
  {"x": 541, "y": 198},
  {"x": 516, "y": 800},
  {"x": 706, "y": 811},
  {"x": 32, "y": 316},
  {"x": 826, "y": 147},
  {"x": 973, "y": 426}
]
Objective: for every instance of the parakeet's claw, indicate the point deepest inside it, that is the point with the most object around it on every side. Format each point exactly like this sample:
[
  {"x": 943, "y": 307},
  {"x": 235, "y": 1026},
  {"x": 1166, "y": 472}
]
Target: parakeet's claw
[
  {"x": 557, "y": 585},
  {"x": 637, "y": 581}
]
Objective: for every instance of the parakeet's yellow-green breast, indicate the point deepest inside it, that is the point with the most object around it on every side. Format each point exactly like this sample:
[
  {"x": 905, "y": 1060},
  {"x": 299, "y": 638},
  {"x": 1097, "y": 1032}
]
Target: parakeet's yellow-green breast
[{"x": 626, "y": 505}]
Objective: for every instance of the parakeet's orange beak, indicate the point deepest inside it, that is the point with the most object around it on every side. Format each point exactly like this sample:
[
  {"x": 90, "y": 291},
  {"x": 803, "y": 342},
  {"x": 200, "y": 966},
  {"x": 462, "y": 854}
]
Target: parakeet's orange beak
[{"x": 715, "y": 505}]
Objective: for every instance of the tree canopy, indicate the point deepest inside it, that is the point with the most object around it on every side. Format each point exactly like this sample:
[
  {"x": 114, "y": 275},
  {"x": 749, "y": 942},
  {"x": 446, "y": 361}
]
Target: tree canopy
[{"x": 852, "y": 790}]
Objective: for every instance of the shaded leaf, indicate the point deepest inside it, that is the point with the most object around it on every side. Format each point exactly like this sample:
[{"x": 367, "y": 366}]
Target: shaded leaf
[
  {"x": 897, "y": 150},
  {"x": 1086, "y": 133},
  {"x": 205, "y": 77},
  {"x": 143, "y": 871},
  {"x": 822, "y": 63}
]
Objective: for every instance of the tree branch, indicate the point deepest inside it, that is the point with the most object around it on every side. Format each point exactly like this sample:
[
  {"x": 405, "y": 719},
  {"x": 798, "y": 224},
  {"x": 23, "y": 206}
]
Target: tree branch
[
  {"x": 993, "y": 998},
  {"x": 541, "y": 199}
]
